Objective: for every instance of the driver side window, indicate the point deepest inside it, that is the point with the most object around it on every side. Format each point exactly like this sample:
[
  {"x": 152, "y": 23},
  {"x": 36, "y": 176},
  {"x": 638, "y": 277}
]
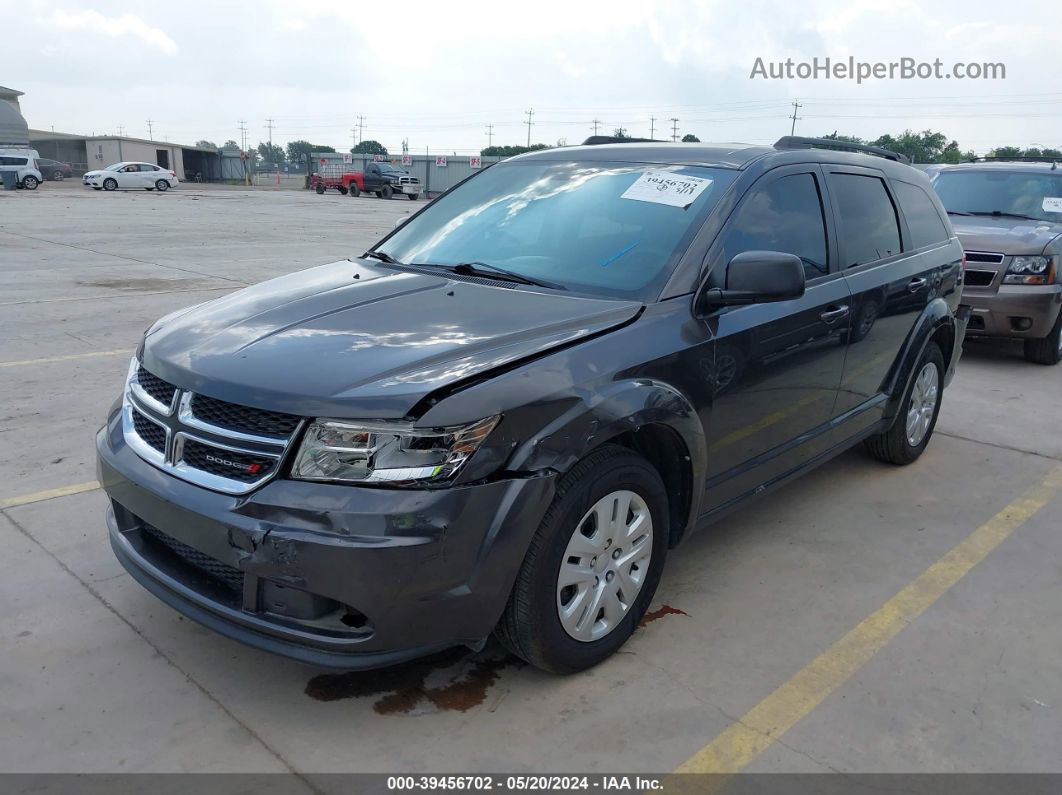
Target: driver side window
[
  {"x": 131, "y": 169},
  {"x": 785, "y": 216}
]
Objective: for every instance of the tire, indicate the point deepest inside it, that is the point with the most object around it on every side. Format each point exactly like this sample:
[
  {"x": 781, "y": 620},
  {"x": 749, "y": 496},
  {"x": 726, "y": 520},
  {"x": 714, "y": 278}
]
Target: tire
[
  {"x": 376, "y": 193},
  {"x": 352, "y": 191},
  {"x": 30, "y": 182},
  {"x": 386, "y": 192},
  {"x": 342, "y": 190},
  {"x": 413, "y": 196},
  {"x": 110, "y": 184},
  {"x": 58, "y": 176},
  {"x": 320, "y": 190},
  {"x": 897, "y": 445},
  {"x": 1049, "y": 349},
  {"x": 162, "y": 186},
  {"x": 531, "y": 626}
]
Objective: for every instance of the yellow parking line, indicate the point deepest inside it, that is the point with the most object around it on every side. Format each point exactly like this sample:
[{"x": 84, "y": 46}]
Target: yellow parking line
[
  {"x": 752, "y": 734},
  {"x": 48, "y": 494},
  {"x": 67, "y": 358}
]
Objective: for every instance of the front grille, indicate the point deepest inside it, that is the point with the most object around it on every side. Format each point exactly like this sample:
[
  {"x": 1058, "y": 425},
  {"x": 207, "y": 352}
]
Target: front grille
[
  {"x": 979, "y": 278},
  {"x": 155, "y": 386},
  {"x": 153, "y": 434},
  {"x": 221, "y": 573},
  {"x": 244, "y": 467},
  {"x": 243, "y": 418},
  {"x": 987, "y": 257}
]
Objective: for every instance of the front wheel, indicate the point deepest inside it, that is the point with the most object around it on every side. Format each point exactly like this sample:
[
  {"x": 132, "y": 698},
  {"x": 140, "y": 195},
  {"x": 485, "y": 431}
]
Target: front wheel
[
  {"x": 1049, "y": 349},
  {"x": 905, "y": 441},
  {"x": 30, "y": 182},
  {"x": 413, "y": 196},
  {"x": 386, "y": 192},
  {"x": 58, "y": 176},
  {"x": 593, "y": 565},
  {"x": 110, "y": 184}
]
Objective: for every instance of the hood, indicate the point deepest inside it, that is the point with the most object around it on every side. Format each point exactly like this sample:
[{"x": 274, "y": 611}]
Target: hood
[
  {"x": 1010, "y": 236},
  {"x": 360, "y": 341}
]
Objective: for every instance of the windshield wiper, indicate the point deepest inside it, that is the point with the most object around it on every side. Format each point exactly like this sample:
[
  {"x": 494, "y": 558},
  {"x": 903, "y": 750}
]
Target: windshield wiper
[
  {"x": 488, "y": 271},
  {"x": 1001, "y": 214},
  {"x": 958, "y": 212},
  {"x": 383, "y": 256}
]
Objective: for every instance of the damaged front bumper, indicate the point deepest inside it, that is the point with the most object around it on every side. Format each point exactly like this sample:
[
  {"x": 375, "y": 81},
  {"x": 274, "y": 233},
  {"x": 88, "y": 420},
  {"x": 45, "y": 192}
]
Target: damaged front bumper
[{"x": 332, "y": 575}]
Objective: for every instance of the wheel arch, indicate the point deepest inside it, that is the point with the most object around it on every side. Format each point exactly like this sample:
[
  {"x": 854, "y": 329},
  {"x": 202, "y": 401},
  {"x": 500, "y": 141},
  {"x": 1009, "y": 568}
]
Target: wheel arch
[{"x": 935, "y": 324}]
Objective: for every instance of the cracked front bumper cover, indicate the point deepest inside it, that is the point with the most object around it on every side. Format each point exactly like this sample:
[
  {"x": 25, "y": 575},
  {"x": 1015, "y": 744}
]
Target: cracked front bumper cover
[{"x": 331, "y": 575}]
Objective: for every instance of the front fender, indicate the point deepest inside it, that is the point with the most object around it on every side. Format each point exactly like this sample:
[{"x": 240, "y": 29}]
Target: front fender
[{"x": 623, "y": 407}]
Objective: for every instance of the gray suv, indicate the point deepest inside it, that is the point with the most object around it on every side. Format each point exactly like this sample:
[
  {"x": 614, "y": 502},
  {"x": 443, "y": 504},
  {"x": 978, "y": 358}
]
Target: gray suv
[{"x": 1008, "y": 215}]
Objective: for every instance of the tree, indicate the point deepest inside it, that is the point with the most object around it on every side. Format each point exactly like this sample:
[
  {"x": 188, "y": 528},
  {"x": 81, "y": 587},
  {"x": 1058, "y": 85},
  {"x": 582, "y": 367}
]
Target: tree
[
  {"x": 230, "y": 144},
  {"x": 851, "y": 139},
  {"x": 509, "y": 151},
  {"x": 620, "y": 132},
  {"x": 205, "y": 144},
  {"x": 924, "y": 147},
  {"x": 1017, "y": 151},
  {"x": 369, "y": 147},
  {"x": 270, "y": 153},
  {"x": 690, "y": 138},
  {"x": 297, "y": 150}
]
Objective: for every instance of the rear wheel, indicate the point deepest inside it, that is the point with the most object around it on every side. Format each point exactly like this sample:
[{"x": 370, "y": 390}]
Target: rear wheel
[
  {"x": 386, "y": 192},
  {"x": 1049, "y": 349},
  {"x": 320, "y": 190},
  {"x": 30, "y": 182},
  {"x": 110, "y": 184},
  {"x": 352, "y": 190},
  {"x": 58, "y": 176},
  {"x": 593, "y": 565},
  {"x": 913, "y": 427}
]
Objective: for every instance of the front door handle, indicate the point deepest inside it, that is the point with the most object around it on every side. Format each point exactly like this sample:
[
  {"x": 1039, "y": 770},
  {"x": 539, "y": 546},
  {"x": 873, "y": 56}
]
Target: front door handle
[
  {"x": 831, "y": 316},
  {"x": 916, "y": 284}
]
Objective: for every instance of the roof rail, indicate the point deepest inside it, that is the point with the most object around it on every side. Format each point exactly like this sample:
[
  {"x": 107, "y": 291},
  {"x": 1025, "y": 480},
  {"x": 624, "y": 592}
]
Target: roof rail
[
  {"x": 1001, "y": 159},
  {"x": 798, "y": 142},
  {"x": 594, "y": 140}
]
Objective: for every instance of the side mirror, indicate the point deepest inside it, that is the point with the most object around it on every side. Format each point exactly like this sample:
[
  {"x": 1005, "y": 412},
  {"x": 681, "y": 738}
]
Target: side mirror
[
  {"x": 400, "y": 220},
  {"x": 759, "y": 277}
]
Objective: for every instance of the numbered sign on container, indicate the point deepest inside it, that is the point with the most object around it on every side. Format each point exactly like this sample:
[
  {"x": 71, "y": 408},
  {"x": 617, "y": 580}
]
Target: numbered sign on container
[
  {"x": 407, "y": 160},
  {"x": 377, "y": 158},
  {"x": 475, "y": 161},
  {"x": 348, "y": 157},
  {"x": 440, "y": 161}
]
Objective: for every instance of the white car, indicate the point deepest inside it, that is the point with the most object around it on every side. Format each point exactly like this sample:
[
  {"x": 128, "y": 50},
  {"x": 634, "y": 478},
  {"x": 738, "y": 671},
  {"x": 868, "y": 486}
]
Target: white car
[
  {"x": 131, "y": 175},
  {"x": 23, "y": 163}
]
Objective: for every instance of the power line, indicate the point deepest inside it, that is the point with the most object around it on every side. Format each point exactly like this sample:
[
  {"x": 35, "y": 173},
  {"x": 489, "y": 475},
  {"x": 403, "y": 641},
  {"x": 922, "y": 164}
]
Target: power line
[{"x": 796, "y": 106}]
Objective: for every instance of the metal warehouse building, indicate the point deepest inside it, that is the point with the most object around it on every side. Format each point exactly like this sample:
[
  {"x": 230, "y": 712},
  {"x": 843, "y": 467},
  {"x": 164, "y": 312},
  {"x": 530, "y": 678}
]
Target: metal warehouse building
[
  {"x": 13, "y": 131},
  {"x": 86, "y": 153}
]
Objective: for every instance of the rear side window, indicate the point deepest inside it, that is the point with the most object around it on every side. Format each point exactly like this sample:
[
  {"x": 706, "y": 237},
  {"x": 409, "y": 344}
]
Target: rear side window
[
  {"x": 869, "y": 228},
  {"x": 786, "y": 216},
  {"x": 923, "y": 220},
  {"x": 12, "y": 161}
]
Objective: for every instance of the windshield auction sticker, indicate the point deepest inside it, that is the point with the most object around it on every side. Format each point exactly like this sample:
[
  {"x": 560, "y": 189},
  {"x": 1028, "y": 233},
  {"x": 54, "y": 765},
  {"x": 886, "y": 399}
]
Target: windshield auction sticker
[
  {"x": 1052, "y": 204},
  {"x": 665, "y": 187}
]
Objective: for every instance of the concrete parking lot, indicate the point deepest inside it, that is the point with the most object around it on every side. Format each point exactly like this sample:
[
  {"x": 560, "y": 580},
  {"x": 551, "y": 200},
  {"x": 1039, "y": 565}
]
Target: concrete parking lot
[{"x": 865, "y": 618}]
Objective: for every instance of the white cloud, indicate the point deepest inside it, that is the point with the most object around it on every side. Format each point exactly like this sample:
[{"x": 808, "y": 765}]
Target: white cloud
[{"x": 116, "y": 27}]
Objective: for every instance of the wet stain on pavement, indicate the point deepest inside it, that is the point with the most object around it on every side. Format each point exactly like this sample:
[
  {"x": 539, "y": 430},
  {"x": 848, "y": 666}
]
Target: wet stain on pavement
[
  {"x": 143, "y": 285},
  {"x": 660, "y": 612},
  {"x": 453, "y": 681}
]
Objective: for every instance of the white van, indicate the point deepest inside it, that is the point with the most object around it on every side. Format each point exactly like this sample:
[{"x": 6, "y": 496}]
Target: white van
[{"x": 24, "y": 163}]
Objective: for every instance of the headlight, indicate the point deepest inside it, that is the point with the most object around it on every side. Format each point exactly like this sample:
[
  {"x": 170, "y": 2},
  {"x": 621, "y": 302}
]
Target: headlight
[
  {"x": 1028, "y": 270},
  {"x": 386, "y": 453}
]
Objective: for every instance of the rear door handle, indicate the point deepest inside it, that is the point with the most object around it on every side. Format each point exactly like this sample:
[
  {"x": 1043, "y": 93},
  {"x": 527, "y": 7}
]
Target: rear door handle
[
  {"x": 916, "y": 284},
  {"x": 831, "y": 316}
]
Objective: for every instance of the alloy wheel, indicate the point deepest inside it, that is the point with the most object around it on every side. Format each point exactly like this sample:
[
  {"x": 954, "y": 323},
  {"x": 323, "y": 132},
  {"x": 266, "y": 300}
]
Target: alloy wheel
[{"x": 924, "y": 397}]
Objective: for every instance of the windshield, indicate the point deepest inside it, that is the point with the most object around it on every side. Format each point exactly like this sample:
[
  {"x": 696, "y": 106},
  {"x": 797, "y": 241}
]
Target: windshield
[
  {"x": 568, "y": 223},
  {"x": 388, "y": 167},
  {"x": 1036, "y": 195}
]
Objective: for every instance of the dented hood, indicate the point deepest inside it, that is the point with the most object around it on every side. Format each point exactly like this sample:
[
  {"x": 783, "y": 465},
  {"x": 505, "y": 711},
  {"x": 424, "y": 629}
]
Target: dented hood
[{"x": 356, "y": 340}]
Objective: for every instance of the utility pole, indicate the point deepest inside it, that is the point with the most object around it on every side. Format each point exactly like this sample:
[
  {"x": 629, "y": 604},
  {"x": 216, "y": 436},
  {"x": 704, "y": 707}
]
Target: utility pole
[
  {"x": 243, "y": 135},
  {"x": 652, "y": 126},
  {"x": 361, "y": 129},
  {"x": 596, "y": 122},
  {"x": 490, "y": 135},
  {"x": 121, "y": 131},
  {"x": 530, "y": 113},
  {"x": 674, "y": 128},
  {"x": 796, "y": 106},
  {"x": 151, "y": 137},
  {"x": 269, "y": 126}
]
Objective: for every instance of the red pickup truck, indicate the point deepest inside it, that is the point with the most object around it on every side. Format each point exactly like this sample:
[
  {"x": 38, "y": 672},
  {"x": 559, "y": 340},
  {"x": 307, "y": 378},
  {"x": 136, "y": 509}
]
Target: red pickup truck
[{"x": 381, "y": 179}]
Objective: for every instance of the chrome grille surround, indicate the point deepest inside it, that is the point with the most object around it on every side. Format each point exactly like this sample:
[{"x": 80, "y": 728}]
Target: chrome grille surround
[{"x": 181, "y": 425}]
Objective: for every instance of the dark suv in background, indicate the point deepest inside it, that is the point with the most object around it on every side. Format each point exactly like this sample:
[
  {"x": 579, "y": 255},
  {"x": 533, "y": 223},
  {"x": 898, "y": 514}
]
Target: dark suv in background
[
  {"x": 504, "y": 415},
  {"x": 1008, "y": 215}
]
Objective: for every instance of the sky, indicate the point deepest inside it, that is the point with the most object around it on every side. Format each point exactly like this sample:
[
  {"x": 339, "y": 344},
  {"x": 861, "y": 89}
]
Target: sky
[{"x": 436, "y": 74}]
